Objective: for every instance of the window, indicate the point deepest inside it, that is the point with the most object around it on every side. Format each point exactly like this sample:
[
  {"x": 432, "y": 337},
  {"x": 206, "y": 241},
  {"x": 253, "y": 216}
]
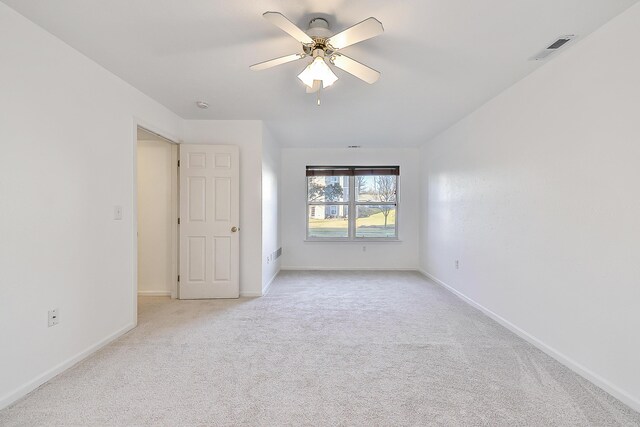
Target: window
[{"x": 352, "y": 202}]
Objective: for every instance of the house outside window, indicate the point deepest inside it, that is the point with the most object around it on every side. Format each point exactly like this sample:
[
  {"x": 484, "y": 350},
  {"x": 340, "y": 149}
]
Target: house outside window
[{"x": 352, "y": 203}]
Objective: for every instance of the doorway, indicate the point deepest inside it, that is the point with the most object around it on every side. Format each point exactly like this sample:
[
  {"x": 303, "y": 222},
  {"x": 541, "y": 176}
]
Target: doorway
[{"x": 157, "y": 206}]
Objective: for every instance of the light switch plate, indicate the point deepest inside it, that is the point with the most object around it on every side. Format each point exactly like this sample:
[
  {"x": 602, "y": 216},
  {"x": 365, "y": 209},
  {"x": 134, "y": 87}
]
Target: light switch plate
[{"x": 117, "y": 212}]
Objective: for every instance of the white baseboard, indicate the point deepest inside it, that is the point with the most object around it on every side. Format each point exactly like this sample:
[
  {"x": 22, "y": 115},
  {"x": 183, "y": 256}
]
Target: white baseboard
[
  {"x": 348, "y": 269},
  {"x": 596, "y": 379},
  {"x": 154, "y": 293},
  {"x": 266, "y": 288},
  {"x": 25, "y": 389},
  {"x": 250, "y": 294}
]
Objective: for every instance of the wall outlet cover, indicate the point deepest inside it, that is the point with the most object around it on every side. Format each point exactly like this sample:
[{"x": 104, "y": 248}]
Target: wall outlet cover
[{"x": 54, "y": 317}]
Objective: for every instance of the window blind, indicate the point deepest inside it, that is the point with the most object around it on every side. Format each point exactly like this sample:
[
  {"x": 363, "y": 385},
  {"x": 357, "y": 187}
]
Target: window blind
[{"x": 352, "y": 170}]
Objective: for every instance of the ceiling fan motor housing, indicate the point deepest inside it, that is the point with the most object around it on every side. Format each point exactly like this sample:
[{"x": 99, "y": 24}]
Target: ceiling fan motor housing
[{"x": 319, "y": 31}]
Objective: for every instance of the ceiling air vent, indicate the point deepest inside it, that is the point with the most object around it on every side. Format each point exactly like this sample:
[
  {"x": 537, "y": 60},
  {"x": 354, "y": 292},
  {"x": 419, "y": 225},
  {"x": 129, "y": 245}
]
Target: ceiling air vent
[{"x": 553, "y": 47}]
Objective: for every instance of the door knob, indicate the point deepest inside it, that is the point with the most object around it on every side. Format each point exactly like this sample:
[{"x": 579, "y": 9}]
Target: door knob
[{"x": 234, "y": 229}]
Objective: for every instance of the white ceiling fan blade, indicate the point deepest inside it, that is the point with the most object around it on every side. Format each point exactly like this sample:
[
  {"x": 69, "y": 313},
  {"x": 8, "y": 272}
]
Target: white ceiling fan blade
[
  {"x": 317, "y": 84},
  {"x": 355, "y": 68},
  {"x": 364, "y": 30},
  {"x": 280, "y": 21},
  {"x": 277, "y": 61}
]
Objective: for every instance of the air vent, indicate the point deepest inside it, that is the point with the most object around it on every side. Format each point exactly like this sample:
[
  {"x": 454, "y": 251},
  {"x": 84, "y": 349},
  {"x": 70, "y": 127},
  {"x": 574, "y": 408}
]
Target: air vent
[
  {"x": 278, "y": 253},
  {"x": 558, "y": 43},
  {"x": 354, "y": 146},
  {"x": 553, "y": 47}
]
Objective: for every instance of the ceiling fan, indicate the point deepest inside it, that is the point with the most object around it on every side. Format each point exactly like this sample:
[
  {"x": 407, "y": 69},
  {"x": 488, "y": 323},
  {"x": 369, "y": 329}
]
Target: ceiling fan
[{"x": 318, "y": 43}]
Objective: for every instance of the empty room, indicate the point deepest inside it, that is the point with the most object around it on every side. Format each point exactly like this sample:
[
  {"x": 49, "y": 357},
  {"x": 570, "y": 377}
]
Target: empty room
[{"x": 362, "y": 213}]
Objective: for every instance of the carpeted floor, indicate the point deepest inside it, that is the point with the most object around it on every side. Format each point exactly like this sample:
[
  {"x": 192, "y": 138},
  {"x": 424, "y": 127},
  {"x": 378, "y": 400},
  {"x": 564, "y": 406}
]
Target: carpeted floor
[{"x": 322, "y": 348}]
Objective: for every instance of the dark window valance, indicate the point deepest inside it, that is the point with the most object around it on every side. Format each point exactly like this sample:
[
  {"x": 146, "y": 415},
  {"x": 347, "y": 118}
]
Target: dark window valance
[{"x": 352, "y": 170}]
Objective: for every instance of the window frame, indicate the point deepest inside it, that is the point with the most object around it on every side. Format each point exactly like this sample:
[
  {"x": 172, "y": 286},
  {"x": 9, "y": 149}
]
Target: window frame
[{"x": 351, "y": 204}]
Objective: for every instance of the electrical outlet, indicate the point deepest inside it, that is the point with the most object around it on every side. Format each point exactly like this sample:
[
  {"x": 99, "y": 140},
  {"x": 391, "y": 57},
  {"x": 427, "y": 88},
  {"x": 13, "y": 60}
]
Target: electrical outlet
[
  {"x": 54, "y": 317},
  {"x": 457, "y": 264},
  {"x": 364, "y": 249}
]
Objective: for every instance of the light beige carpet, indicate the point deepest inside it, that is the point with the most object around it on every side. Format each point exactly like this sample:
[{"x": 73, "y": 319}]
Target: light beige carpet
[{"x": 322, "y": 348}]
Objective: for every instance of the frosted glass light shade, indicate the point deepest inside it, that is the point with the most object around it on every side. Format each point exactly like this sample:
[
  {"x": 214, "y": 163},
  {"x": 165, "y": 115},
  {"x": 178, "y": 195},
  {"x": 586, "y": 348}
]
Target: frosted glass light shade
[{"x": 318, "y": 70}]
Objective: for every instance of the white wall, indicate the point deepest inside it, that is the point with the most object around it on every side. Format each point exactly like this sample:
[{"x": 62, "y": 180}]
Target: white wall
[
  {"x": 538, "y": 195},
  {"x": 247, "y": 135},
  {"x": 155, "y": 161},
  {"x": 298, "y": 254},
  {"x": 67, "y": 136},
  {"x": 270, "y": 207}
]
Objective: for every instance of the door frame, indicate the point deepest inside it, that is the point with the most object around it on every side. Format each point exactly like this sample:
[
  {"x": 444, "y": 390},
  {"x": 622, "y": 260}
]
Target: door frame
[{"x": 175, "y": 186}]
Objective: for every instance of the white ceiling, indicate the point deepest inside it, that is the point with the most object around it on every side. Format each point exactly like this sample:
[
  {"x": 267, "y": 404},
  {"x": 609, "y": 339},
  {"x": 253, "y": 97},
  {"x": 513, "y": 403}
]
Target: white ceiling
[{"x": 440, "y": 59}]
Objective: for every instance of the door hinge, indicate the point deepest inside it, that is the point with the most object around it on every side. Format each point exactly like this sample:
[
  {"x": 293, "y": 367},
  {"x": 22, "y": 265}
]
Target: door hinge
[
  {"x": 178, "y": 163},
  {"x": 178, "y": 277},
  {"x": 178, "y": 220}
]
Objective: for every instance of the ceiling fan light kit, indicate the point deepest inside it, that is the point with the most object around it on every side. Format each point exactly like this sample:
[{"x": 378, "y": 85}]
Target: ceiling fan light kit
[
  {"x": 318, "y": 43},
  {"x": 318, "y": 70}
]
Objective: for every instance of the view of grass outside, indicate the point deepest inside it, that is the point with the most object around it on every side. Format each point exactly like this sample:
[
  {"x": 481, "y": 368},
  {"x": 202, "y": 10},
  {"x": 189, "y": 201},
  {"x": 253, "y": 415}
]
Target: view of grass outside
[
  {"x": 376, "y": 225},
  {"x": 329, "y": 227},
  {"x": 369, "y": 226}
]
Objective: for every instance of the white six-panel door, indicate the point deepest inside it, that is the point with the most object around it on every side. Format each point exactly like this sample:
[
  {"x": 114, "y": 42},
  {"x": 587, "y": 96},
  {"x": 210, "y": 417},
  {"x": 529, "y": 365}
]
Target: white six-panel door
[{"x": 209, "y": 221}]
